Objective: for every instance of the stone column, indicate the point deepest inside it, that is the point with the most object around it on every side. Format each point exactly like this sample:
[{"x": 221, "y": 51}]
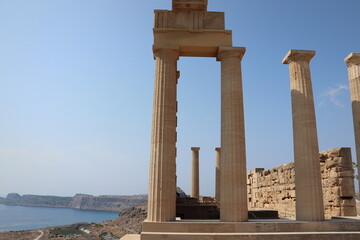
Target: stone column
[
  {"x": 308, "y": 187},
  {"x": 195, "y": 173},
  {"x": 217, "y": 175},
  {"x": 162, "y": 180},
  {"x": 353, "y": 63},
  {"x": 233, "y": 189}
]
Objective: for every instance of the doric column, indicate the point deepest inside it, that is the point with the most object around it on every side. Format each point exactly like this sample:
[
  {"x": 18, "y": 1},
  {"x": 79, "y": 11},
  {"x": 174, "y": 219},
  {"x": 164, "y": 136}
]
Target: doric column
[
  {"x": 308, "y": 187},
  {"x": 353, "y": 63},
  {"x": 195, "y": 173},
  {"x": 233, "y": 192},
  {"x": 217, "y": 175},
  {"x": 162, "y": 181}
]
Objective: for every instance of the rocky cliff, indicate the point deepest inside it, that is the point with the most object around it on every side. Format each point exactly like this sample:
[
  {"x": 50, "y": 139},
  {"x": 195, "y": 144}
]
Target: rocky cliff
[
  {"x": 106, "y": 202},
  {"x": 79, "y": 201}
]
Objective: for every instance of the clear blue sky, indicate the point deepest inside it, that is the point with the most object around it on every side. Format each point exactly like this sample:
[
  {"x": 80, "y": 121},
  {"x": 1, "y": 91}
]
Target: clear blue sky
[{"x": 76, "y": 86}]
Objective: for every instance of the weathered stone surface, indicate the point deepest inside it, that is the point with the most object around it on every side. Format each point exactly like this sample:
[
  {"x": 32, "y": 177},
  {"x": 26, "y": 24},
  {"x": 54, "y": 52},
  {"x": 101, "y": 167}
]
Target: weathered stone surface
[
  {"x": 162, "y": 179},
  {"x": 233, "y": 206},
  {"x": 267, "y": 191},
  {"x": 353, "y": 63},
  {"x": 309, "y": 205},
  {"x": 195, "y": 185},
  {"x": 217, "y": 175}
]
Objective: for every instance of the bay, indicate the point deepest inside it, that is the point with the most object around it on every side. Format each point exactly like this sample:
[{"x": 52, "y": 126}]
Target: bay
[{"x": 13, "y": 218}]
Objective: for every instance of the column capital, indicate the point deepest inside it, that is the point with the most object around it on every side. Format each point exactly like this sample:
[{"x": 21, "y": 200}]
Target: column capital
[
  {"x": 195, "y": 149},
  {"x": 172, "y": 50},
  {"x": 352, "y": 59},
  {"x": 230, "y": 52},
  {"x": 218, "y": 149},
  {"x": 295, "y": 55}
]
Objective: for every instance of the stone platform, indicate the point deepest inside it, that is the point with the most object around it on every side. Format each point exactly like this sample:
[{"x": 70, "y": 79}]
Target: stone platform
[{"x": 339, "y": 229}]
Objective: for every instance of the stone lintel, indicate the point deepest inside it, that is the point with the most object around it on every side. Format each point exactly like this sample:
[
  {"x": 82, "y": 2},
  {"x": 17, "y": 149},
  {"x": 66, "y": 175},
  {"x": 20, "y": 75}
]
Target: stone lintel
[
  {"x": 352, "y": 59},
  {"x": 230, "y": 52},
  {"x": 298, "y": 55},
  {"x": 195, "y": 149},
  {"x": 194, "y": 43},
  {"x": 171, "y": 48}
]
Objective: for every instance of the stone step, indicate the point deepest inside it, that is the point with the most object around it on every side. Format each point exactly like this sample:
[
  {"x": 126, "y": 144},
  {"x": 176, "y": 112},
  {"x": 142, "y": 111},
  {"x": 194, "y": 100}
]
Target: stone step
[
  {"x": 342, "y": 225},
  {"x": 251, "y": 236}
]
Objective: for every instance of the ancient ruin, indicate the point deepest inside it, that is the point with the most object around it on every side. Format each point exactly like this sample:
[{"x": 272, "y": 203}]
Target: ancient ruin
[
  {"x": 274, "y": 189},
  {"x": 190, "y": 30}
]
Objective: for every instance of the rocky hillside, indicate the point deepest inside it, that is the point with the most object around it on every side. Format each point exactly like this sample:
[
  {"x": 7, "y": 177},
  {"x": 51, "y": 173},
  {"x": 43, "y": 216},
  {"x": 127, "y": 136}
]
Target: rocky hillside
[
  {"x": 38, "y": 201},
  {"x": 106, "y": 202},
  {"x": 79, "y": 201}
]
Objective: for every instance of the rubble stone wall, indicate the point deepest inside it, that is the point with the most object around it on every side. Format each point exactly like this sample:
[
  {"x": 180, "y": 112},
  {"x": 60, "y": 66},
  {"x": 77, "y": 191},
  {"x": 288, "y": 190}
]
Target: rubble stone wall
[{"x": 275, "y": 188}]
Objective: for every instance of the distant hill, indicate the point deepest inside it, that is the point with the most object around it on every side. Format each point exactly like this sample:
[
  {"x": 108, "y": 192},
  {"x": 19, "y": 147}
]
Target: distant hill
[{"x": 79, "y": 201}]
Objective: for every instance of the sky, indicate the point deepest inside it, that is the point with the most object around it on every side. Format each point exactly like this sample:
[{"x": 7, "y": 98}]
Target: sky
[{"x": 76, "y": 89}]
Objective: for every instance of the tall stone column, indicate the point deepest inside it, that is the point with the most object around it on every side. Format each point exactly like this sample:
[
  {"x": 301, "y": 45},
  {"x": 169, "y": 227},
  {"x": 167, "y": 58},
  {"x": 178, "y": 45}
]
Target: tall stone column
[
  {"x": 353, "y": 63},
  {"x": 233, "y": 189},
  {"x": 217, "y": 175},
  {"x": 162, "y": 180},
  {"x": 308, "y": 187},
  {"x": 195, "y": 173}
]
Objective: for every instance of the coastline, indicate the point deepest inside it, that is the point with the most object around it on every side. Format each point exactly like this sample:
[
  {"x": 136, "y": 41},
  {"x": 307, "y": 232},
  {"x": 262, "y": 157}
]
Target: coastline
[
  {"x": 28, "y": 218},
  {"x": 114, "y": 203}
]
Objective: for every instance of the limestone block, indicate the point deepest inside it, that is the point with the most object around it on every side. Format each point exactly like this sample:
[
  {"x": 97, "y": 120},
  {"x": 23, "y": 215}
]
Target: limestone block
[
  {"x": 348, "y": 211},
  {"x": 332, "y": 181},
  {"x": 346, "y": 192},
  {"x": 347, "y": 173},
  {"x": 348, "y": 202},
  {"x": 346, "y": 181},
  {"x": 333, "y": 174}
]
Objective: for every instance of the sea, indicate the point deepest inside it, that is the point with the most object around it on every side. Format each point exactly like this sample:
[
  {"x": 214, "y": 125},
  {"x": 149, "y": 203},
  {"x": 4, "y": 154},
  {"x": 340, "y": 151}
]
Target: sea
[{"x": 13, "y": 218}]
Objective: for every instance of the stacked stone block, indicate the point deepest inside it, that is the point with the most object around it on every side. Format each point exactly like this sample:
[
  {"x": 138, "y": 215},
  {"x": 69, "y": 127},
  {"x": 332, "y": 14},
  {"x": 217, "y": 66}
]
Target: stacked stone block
[{"x": 275, "y": 188}]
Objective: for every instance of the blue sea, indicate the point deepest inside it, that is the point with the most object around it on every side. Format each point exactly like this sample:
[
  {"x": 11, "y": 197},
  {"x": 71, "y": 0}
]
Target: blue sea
[{"x": 25, "y": 218}]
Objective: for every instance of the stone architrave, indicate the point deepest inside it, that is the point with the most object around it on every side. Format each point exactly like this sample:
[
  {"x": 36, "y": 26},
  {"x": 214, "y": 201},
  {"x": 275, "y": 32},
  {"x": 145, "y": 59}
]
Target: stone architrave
[
  {"x": 233, "y": 178},
  {"x": 309, "y": 197},
  {"x": 217, "y": 175},
  {"x": 162, "y": 180},
  {"x": 195, "y": 190},
  {"x": 353, "y": 63}
]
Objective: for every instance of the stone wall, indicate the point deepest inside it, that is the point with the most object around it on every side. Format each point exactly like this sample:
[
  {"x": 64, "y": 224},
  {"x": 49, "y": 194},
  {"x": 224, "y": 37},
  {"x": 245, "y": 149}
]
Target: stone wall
[{"x": 275, "y": 188}]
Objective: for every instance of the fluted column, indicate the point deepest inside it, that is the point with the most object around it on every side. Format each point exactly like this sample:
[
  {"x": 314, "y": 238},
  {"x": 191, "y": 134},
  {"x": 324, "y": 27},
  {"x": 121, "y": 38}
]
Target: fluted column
[
  {"x": 162, "y": 180},
  {"x": 353, "y": 63},
  {"x": 195, "y": 173},
  {"x": 217, "y": 175},
  {"x": 233, "y": 192},
  {"x": 308, "y": 187}
]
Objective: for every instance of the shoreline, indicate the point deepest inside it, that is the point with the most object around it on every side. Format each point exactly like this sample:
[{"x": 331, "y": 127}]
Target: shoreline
[{"x": 40, "y": 206}]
